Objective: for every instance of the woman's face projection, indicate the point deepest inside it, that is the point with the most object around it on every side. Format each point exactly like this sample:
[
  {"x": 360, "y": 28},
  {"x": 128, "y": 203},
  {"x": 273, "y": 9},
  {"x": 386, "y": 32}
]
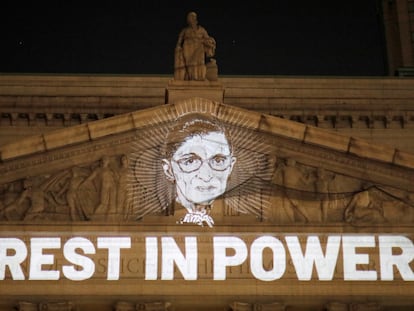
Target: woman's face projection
[{"x": 201, "y": 167}]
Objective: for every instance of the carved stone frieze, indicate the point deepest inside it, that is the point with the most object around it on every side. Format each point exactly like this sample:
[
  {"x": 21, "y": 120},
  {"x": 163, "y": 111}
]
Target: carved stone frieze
[
  {"x": 315, "y": 195},
  {"x": 116, "y": 188},
  {"x": 344, "y": 164},
  {"x": 276, "y": 170},
  {"x": 98, "y": 191}
]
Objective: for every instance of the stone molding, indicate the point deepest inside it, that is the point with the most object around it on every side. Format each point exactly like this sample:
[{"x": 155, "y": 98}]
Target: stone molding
[
  {"x": 304, "y": 134},
  {"x": 57, "y": 100}
]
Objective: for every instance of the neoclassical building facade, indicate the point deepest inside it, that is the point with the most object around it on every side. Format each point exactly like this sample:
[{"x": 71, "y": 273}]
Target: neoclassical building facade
[{"x": 241, "y": 193}]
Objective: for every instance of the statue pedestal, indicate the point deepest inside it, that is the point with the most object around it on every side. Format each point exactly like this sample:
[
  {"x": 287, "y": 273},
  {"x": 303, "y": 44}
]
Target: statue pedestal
[{"x": 178, "y": 90}]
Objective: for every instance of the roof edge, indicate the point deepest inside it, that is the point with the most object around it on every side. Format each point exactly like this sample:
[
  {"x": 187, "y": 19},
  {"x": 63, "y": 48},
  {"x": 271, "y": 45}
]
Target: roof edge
[{"x": 233, "y": 115}]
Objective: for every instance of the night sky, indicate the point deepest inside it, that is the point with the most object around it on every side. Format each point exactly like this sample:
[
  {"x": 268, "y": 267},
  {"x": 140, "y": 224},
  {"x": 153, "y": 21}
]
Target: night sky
[{"x": 296, "y": 37}]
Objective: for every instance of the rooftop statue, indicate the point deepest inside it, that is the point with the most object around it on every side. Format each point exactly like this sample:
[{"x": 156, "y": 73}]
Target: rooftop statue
[{"x": 193, "y": 46}]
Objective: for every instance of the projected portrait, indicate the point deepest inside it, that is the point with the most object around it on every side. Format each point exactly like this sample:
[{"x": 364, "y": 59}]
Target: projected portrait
[
  {"x": 192, "y": 166},
  {"x": 199, "y": 161}
]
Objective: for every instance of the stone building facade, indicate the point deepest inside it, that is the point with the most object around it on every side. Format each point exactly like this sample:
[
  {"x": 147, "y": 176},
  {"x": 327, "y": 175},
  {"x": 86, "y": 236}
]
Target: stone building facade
[
  {"x": 325, "y": 173},
  {"x": 317, "y": 212}
]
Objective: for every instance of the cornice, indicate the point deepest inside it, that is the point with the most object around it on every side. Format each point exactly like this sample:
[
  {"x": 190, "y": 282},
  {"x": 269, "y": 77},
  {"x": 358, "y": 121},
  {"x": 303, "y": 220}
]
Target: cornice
[
  {"x": 333, "y": 102},
  {"x": 313, "y": 146}
]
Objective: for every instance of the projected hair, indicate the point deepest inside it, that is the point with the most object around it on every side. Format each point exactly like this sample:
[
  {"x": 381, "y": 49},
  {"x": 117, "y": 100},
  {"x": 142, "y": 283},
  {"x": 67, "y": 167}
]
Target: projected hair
[{"x": 190, "y": 125}]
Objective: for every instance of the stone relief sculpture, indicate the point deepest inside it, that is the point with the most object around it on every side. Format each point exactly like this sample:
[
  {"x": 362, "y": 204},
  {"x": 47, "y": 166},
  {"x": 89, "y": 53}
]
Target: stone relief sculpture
[
  {"x": 323, "y": 186},
  {"x": 193, "y": 46},
  {"x": 106, "y": 185},
  {"x": 376, "y": 205},
  {"x": 363, "y": 208},
  {"x": 28, "y": 203},
  {"x": 399, "y": 210},
  {"x": 76, "y": 209},
  {"x": 123, "y": 195},
  {"x": 311, "y": 195},
  {"x": 71, "y": 195},
  {"x": 200, "y": 171},
  {"x": 92, "y": 192},
  {"x": 293, "y": 178},
  {"x": 36, "y": 199},
  {"x": 171, "y": 179}
]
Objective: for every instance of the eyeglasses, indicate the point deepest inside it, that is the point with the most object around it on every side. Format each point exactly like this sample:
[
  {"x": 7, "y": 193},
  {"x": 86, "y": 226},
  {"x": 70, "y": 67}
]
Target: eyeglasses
[{"x": 193, "y": 162}]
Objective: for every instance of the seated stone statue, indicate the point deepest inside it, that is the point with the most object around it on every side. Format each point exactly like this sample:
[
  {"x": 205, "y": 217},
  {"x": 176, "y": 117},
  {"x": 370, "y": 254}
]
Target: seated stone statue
[{"x": 193, "y": 46}]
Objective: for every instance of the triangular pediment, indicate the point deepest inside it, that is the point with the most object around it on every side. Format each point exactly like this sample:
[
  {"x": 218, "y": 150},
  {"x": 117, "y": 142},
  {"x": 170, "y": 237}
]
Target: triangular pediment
[{"x": 280, "y": 165}]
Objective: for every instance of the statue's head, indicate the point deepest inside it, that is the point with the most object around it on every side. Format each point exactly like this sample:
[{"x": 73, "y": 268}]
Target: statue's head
[
  {"x": 198, "y": 159},
  {"x": 124, "y": 161},
  {"x": 192, "y": 18}
]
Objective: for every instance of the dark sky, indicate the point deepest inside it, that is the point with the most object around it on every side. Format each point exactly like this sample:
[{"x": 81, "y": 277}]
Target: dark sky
[{"x": 295, "y": 37}]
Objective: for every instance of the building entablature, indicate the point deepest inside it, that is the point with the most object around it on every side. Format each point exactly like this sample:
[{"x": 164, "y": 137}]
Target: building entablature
[
  {"x": 282, "y": 145},
  {"x": 120, "y": 214},
  {"x": 46, "y": 100}
]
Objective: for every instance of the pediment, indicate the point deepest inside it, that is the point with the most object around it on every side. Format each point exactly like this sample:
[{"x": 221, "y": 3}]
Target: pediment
[{"x": 284, "y": 171}]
